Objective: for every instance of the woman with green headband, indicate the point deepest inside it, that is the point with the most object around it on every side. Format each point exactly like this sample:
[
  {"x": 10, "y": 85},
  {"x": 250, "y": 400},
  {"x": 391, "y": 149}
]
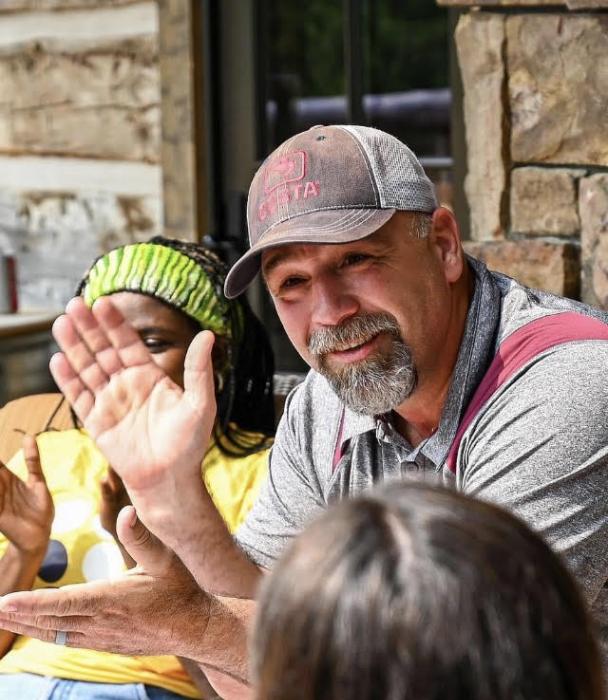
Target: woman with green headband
[{"x": 168, "y": 291}]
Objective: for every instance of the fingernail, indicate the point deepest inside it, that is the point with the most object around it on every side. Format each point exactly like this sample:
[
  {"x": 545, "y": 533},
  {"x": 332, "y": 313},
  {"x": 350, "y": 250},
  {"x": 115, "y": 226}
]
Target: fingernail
[{"x": 133, "y": 518}]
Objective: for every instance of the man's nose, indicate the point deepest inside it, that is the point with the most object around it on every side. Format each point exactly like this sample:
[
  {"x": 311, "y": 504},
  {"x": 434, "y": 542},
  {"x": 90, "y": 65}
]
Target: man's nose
[{"x": 333, "y": 302}]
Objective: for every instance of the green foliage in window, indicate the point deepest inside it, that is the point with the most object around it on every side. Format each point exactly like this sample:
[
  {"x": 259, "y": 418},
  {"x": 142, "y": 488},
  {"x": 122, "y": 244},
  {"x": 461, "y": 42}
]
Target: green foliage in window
[{"x": 405, "y": 45}]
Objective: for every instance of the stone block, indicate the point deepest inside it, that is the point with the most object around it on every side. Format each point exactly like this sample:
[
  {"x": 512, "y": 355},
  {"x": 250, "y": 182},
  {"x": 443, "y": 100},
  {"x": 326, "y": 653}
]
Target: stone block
[
  {"x": 183, "y": 182},
  {"x": 499, "y": 3},
  {"x": 37, "y": 5},
  {"x": 544, "y": 201},
  {"x": 570, "y": 4},
  {"x": 98, "y": 100},
  {"x": 480, "y": 39},
  {"x": 558, "y": 88},
  {"x": 551, "y": 266},
  {"x": 593, "y": 205},
  {"x": 587, "y": 4},
  {"x": 56, "y": 236}
]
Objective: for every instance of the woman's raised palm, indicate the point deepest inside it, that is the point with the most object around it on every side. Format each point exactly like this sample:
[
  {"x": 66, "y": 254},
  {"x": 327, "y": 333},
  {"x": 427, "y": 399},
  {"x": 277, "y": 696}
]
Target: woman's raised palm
[
  {"x": 145, "y": 424},
  {"x": 153, "y": 432}
]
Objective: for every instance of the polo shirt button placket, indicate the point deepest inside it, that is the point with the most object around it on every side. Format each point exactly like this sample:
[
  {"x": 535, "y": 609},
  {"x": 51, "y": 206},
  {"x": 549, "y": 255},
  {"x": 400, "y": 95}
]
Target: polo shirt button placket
[{"x": 407, "y": 465}]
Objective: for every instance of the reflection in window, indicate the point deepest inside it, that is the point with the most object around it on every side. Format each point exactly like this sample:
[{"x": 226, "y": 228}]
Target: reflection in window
[
  {"x": 304, "y": 61},
  {"x": 406, "y": 79},
  {"x": 402, "y": 49}
]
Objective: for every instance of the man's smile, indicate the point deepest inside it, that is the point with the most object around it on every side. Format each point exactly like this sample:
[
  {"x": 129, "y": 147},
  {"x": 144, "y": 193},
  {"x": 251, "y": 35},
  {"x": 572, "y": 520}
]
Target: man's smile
[{"x": 355, "y": 352}]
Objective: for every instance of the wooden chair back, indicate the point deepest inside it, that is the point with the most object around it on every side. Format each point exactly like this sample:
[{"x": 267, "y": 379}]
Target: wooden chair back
[{"x": 31, "y": 415}]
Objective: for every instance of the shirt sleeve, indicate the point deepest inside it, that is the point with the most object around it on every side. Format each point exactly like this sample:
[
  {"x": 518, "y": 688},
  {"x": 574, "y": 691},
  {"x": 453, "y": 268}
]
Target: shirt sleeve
[
  {"x": 540, "y": 448},
  {"x": 292, "y": 494}
]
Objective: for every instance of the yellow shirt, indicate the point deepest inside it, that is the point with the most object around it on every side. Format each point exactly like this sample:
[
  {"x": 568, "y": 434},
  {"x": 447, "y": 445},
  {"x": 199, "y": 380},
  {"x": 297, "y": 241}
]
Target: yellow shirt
[{"x": 81, "y": 550}]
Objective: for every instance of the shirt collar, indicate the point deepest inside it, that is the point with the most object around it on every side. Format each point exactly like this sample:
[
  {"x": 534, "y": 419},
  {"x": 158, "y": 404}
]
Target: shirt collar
[
  {"x": 355, "y": 424},
  {"x": 477, "y": 349}
]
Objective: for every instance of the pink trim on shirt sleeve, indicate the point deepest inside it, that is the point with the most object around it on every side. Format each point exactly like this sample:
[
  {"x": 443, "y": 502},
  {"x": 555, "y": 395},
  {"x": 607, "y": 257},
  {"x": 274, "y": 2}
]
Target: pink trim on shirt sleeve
[{"x": 518, "y": 349}]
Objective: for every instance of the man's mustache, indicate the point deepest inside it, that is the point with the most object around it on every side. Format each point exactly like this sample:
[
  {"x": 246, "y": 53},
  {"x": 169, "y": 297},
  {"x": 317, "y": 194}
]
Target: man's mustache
[{"x": 355, "y": 331}]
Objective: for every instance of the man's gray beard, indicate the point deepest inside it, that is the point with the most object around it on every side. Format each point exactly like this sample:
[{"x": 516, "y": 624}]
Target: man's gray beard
[{"x": 377, "y": 384}]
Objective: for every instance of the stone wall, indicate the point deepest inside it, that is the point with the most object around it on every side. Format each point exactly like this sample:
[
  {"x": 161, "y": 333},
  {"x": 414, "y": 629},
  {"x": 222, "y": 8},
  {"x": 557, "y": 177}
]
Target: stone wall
[
  {"x": 535, "y": 76},
  {"x": 79, "y": 136}
]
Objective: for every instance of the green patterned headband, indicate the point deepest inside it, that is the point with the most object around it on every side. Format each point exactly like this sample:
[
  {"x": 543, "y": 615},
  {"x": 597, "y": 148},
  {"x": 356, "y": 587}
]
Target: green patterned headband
[{"x": 164, "y": 273}]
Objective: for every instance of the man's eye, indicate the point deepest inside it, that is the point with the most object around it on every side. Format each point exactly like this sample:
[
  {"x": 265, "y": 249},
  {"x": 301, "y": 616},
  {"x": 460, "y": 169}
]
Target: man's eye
[
  {"x": 354, "y": 259},
  {"x": 291, "y": 282}
]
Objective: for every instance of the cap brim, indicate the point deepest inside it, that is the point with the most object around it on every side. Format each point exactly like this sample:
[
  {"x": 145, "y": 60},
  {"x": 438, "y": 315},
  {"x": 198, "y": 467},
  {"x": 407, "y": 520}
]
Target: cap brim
[{"x": 322, "y": 227}]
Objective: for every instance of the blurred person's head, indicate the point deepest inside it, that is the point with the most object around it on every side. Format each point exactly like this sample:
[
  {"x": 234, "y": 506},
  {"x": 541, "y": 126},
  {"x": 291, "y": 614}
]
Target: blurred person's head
[
  {"x": 420, "y": 593},
  {"x": 170, "y": 290}
]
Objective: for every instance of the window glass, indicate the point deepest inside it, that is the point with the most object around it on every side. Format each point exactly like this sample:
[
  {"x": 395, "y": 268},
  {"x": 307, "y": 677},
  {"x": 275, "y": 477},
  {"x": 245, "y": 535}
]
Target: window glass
[
  {"x": 402, "y": 52},
  {"x": 406, "y": 80},
  {"x": 303, "y": 64}
]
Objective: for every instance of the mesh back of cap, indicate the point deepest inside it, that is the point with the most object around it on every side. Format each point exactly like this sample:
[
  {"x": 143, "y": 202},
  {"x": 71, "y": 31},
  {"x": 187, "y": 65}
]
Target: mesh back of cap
[{"x": 401, "y": 180}]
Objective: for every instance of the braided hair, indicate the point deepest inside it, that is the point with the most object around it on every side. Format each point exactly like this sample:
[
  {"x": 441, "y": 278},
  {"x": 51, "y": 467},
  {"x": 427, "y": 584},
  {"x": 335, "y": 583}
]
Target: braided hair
[{"x": 244, "y": 375}]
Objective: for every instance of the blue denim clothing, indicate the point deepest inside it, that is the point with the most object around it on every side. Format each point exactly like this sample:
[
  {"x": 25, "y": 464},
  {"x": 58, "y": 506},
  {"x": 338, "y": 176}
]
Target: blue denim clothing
[{"x": 28, "y": 686}]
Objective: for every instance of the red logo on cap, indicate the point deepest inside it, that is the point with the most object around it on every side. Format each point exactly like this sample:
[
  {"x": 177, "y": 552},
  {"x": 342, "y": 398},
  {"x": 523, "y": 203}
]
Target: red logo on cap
[
  {"x": 284, "y": 183},
  {"x": 289, "y": 167}
]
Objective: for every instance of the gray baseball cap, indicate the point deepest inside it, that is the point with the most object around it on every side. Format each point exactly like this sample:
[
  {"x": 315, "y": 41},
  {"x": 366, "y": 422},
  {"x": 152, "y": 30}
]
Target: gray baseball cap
[{"x": 330, "y": 184}]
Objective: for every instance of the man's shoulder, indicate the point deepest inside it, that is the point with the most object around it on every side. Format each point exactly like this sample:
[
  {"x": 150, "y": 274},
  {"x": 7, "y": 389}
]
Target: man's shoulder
[
  {"x": 574, "y": 363},
  {"x": 556, "y": 352},
  {"x": 550, "y": 352},
  {"x": 561, "y": 388},
  {"x": 521, "y": 305}
]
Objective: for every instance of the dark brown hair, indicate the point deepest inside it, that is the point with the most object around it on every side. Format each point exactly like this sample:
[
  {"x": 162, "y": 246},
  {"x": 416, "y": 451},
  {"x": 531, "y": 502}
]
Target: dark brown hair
[{"x": 420, "y": 593}]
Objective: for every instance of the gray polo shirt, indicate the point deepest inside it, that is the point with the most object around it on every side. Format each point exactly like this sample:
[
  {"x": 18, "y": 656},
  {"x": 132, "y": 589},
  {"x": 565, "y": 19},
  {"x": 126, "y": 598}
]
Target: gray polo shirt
[{"x": 538, "y": 446}]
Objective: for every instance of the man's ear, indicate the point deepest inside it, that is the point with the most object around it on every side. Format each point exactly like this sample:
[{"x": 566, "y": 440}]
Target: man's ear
[{"x": 445, "y": 237}]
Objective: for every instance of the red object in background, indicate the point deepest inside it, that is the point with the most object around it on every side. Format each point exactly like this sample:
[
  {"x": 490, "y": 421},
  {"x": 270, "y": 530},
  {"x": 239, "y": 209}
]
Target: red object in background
[{"x": 8, "y": 284}]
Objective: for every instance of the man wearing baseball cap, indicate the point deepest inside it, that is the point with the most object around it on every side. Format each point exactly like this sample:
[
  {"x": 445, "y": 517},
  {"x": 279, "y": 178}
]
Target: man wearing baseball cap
[
  {"x": 424, "y": 365},
  {"x": 424, "y": 362}
]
